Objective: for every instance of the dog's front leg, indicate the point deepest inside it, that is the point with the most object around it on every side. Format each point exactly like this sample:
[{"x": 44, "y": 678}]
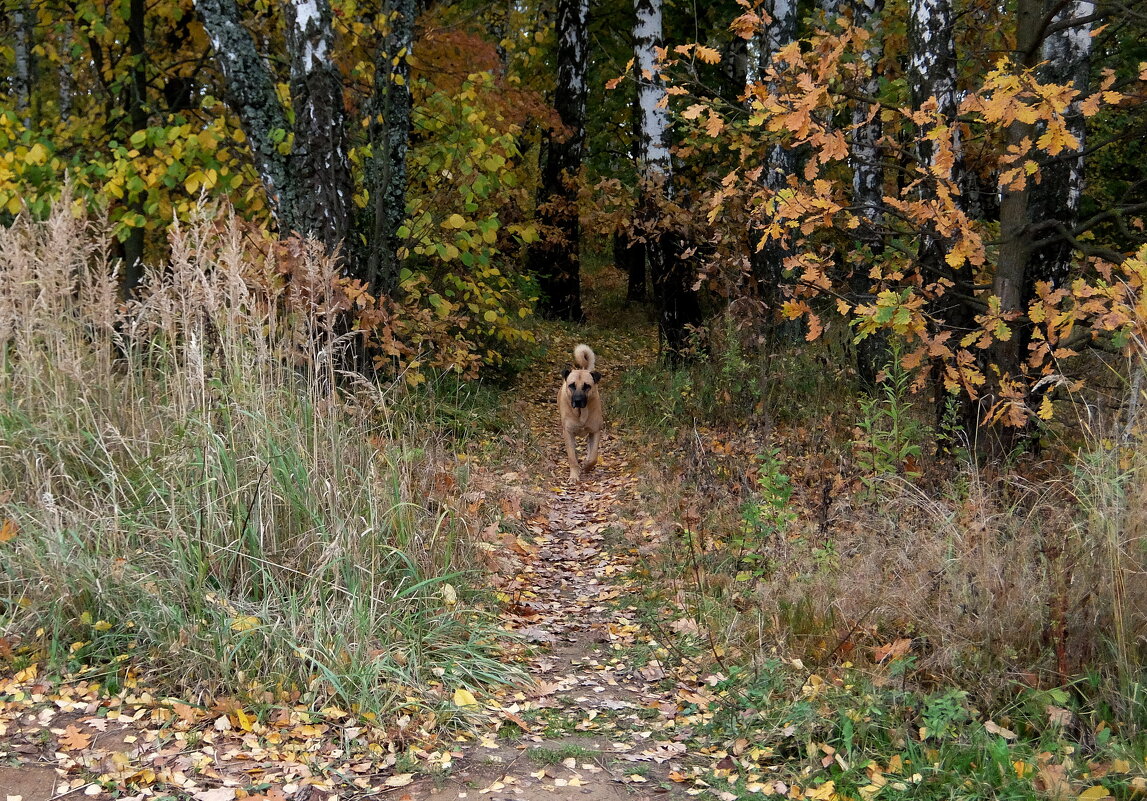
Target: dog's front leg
[
  {"x": 591, "y": 450},
  {"x": 571, "y": 454}
]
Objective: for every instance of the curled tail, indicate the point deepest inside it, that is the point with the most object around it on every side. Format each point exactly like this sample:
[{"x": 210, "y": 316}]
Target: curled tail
[{"x": 584, "y": 358}]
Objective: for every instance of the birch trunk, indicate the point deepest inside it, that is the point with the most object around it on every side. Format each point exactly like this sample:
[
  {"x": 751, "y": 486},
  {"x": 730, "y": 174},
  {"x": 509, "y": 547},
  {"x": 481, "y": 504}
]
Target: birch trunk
[
  {"x": 767, "y": 261},
  {"x": 309, "y": 190},
  {"x": 251, "y": 94},
  {"x": 932, "y": 77},
  {"x": 868, "y": 185},
  {"x": 677, "y": 306},
  {"x": 556, "y": 261},
  {"x": 22, "y": 20},
  {"x": 320, "y": 176},
  {"x": 390, "y": 125},
  {"x": 1066, "y": 60}
]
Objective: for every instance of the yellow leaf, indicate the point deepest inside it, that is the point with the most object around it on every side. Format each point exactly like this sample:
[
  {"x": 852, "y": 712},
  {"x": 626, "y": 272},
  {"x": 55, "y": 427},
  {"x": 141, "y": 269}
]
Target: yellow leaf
[
  {"x": 454, "y": 221},
  {"x": 244, "y": 623},
  {"x": 693, "y": 112},
  {"x": 1094, "y": 793},
  {"x": 490, "y": 316},
  {"x": 463, "y": 697},
  {"x": 1045, "y": 408},
  {"x": 399, "y": 780},
  {"x": 826, "y": 792},
  {"x": 707, "y": 54},
  {"x": 8, "y": 531}
]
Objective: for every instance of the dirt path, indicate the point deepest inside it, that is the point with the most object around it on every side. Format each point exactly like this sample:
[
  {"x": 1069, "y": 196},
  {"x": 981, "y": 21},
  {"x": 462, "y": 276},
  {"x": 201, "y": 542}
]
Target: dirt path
[{"x": 596, "y": 724}]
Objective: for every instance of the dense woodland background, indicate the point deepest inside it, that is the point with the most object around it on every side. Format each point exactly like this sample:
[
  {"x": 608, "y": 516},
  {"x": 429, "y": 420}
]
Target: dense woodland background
[{"x": 267, "y": 268}]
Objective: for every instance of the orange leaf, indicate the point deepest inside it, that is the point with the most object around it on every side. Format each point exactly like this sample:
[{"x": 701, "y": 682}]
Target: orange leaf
[{"x": 74, "y": 740}]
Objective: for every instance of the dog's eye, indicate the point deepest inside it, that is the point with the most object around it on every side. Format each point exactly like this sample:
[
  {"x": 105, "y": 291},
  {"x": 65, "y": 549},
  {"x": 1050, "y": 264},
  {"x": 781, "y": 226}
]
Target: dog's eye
[
  {"x": 573, "y": 386},
  {"x": 585, "y": 387}
]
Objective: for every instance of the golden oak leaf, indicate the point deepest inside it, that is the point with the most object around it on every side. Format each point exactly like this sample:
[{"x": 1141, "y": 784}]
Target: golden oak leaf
[{"x": 74, "y": 740}]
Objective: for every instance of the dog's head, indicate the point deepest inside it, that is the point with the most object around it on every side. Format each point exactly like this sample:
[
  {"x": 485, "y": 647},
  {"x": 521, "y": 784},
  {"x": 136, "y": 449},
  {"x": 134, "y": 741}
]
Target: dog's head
[{"x": 580, "y": 385}]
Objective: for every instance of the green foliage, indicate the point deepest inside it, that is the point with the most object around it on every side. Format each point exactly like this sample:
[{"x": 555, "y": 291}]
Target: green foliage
[
  {"x": 765, "y": 515},
  {"x": 890, "y": 441}
]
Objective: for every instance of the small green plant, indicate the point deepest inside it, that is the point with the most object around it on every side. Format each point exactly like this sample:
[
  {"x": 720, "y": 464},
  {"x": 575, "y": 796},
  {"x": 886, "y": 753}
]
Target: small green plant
[
  {"x": 765, "y": 516},
  {"x": 890, "y": 438},
  {"x": 943, "y": 712}
]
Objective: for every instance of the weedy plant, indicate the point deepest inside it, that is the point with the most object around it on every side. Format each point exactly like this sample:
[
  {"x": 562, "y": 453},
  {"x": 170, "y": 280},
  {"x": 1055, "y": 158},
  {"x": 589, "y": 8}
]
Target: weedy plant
[
  {"x": 764, "y": 516},
  {"x": 180, "y": 479},
  {"x": 890, "y": 438}
]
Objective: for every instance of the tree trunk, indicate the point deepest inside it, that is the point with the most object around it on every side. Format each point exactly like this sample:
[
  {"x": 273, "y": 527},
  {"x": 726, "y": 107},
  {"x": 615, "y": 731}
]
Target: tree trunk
[
  {"x": 252, "y": 96},
  {"x": 390, "y": 140},
  {"x": 137, "y": 115},
  {"x": 23, "y": 18},
  {"x": 868, "y": 189},
  {"x": 767, "y": 261},
  {"x": 629, "y": 257},
  {"x": 1066, "y": 57},
  {"x": 557, "y": 261},
  {"x": 677, "y": 305},
  {"x": 320, "y": 179},
  {"x": 1055, "y": 199},
  {"x": 932, "y": 76}
]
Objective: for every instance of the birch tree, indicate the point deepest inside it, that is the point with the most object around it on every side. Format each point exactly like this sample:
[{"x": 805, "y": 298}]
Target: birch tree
[
  {"x": 556, "y": 261},
  {"x": 932, "y": 87},
  {"x": 310, "y": 189},
  {"x": 780, "y": 162},
  {"x": 677, "y": 305},
  {"x": 868, "y": 179},
  {"x": 1065, "y": 55}
]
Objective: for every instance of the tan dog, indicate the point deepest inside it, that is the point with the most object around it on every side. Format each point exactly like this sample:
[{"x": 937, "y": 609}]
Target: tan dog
[{"x": 579, "y": 404}]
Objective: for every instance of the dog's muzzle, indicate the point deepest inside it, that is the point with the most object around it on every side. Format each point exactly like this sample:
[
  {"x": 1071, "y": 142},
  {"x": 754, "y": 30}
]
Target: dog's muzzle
[{"x": 579, "y": 400}]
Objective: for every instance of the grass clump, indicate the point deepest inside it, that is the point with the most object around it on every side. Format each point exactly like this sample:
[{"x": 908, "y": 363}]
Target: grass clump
[{"x": 179, "y": 480}]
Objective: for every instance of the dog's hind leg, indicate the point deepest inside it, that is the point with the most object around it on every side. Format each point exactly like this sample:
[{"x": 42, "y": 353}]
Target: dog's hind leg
[{"x": 591, "y": 450}]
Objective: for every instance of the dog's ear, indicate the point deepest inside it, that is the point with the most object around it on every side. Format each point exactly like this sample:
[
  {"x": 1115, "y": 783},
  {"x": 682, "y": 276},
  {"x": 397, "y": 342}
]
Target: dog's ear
[
  {"x": 596, "y": 376},
  {"x": 565, "y": 374}
]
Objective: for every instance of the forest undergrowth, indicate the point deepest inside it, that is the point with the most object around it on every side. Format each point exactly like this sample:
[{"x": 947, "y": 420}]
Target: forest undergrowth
[{"x": 800, "y": 597}]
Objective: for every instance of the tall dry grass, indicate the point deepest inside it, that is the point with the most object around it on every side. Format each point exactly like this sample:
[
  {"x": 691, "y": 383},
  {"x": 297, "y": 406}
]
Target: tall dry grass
[
  {"x": 185, "y": 487},
  {"x": 997, "y": 579}
]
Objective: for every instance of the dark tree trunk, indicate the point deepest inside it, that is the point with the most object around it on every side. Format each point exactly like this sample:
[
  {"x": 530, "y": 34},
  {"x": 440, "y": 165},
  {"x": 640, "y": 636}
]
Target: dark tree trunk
[
  {"x": 868, "y": 190},
  {"x": 390, "y": 139},
  {"x": 1055, "y": 199},
  {"x": 137, "y": 115},
  {"x": 629, "y": 257},
  {"x": 320, "y": 179},
  {"x": 767, "y": 260},
  {"x": 932, "y": 76},
  {"x": 556, "y": 260}
]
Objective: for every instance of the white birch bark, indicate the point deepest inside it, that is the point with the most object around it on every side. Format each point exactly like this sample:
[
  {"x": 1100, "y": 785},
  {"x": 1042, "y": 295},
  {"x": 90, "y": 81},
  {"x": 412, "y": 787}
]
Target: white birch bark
[
  {"x": 652, "y": 102},
  {"x": 1066, "y": 59}
]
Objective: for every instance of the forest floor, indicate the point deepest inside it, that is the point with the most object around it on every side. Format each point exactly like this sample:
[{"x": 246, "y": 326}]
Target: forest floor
[{"x": 599, "y": 717}]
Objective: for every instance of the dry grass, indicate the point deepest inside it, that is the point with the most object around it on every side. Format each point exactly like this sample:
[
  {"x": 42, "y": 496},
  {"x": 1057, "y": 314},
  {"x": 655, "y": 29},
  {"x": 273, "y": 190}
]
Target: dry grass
[
  {"x": 183, "y": 482},
  {"x": 997, "y": 576}
]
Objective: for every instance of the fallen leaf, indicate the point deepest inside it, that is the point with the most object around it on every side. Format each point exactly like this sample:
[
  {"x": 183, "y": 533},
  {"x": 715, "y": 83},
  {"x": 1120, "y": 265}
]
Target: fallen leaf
[
  {"x": 217, "y": 794},
  {"x": 74, "y": 740},
  {"x": 463, "y": 697}
]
